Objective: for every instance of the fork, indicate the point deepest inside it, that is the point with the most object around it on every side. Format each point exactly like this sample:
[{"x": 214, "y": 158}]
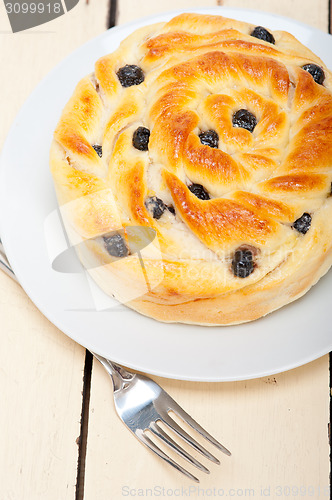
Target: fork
[
  {"x": 4, "y": 264},
  {"x": 143, "y": 405}
]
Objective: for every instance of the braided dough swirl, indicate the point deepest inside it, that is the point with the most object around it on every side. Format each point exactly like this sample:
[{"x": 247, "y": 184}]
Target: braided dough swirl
[{"x": 198, "y": 72}]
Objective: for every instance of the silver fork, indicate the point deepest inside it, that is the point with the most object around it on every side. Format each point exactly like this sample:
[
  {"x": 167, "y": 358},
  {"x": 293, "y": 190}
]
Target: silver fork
[
  {"x": 143, "y": 405},
  {"x": 4, "y": 264}
]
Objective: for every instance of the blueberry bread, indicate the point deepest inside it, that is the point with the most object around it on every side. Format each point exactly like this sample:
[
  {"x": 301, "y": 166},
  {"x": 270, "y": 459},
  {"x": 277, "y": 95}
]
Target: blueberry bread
[{"x": 193, "y": 169}]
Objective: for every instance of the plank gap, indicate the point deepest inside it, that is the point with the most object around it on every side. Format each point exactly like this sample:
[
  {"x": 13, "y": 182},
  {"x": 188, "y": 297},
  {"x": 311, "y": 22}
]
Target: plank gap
[
  {"x": 112, "y": 14},
  {"x": 83, "y": 437}
]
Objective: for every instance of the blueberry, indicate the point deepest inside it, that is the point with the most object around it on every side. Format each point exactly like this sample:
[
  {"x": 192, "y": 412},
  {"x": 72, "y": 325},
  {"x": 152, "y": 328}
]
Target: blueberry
[
  {"x": 242, "y": 263},
  {"x": 116, "y": 246},
  {"x": 199, "y": 191},
  {"x": 130, "y": 74},
  {"x": 156, "y": 206},
  {"x": 244, "y": 119},
  {"x": 302, "y": 225},
  {"x": 316, "y": 72},
  {"x": 263, "y": 34},
  {"x": 209, "y": 138},
  {"x": 141, "y": 138},
  {"x": 98, "y": 149},
  {"x": 171, "y": 209}
]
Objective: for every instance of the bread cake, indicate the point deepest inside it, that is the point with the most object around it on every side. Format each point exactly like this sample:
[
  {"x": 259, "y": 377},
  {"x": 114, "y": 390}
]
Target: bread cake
[{"x": 215, "y": 137}]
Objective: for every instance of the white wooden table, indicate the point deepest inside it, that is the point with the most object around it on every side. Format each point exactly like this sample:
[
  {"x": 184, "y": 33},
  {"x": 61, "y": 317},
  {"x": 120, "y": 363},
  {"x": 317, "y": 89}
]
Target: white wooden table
[{"x": 59, "y": 435}]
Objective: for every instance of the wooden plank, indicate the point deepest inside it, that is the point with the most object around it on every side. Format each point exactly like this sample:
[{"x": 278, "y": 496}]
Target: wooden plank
[
  {"x": 275, "y": 426},
  {"x": 40, "y": 387},
  {"x": 41, "y": 369},
  {"x": 310, "y": 12},
  {"x": 314, "y": 13}
]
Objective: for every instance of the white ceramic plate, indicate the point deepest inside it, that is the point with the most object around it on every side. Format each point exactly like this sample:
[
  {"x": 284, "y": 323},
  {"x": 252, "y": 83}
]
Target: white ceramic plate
[{"x": 292, "y": 336}]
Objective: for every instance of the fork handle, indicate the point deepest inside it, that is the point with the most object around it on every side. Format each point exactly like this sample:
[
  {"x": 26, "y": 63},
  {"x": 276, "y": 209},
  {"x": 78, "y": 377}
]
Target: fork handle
[
  {"x": 120, "y": 377},
  {"x": 4, "y": 264}
]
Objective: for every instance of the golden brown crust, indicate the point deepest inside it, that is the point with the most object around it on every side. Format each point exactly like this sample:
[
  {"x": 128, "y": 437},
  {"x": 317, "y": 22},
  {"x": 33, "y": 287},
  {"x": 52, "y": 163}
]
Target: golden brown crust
[{"x": 199, "y": 71}]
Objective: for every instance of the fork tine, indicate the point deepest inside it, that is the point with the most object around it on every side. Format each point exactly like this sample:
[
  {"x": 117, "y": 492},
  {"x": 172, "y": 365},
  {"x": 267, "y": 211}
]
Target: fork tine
[
  {"x": 182, "y": 433},
  {"x": 153, "y": 447},
  {"x": 190, "y": 421},
  {"x": 157, "y": 431}
]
